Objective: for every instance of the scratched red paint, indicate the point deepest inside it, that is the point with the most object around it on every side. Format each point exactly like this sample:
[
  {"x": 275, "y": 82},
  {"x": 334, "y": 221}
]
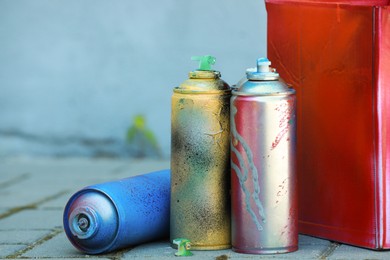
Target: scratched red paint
[
  {"x": 336, "y": 54},
  {"x": 287, "y": 111}
]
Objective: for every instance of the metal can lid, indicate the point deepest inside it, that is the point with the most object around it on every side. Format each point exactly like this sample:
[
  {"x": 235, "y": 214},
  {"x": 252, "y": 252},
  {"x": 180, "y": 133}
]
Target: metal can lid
[
  {"x": 263, "y": 88},
  {"x": 91, "y": 221},
  {"x": 204, "y": 71},
  {"x": 203, "y": 80},
  {"x": 204, "y": 74},
  {"x": 263, "y": 71},
  {"x": 262, "y": 81}
]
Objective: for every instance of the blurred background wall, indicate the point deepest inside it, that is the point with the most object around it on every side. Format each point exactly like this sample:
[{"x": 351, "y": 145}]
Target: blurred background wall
[{"x": 74, "y": 74}]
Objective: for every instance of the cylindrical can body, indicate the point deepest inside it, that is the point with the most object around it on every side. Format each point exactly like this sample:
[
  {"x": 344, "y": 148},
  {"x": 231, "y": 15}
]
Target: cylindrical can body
[
  {"x": 264, "y": 198},
  {"x": 113, "y": 215},
  {"x": 200, "y": 163}
]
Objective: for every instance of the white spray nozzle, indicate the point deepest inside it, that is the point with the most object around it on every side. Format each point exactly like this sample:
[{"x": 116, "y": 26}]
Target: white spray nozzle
[
  {"x": 263, "y": 71},
  {"x": 263, "y": 65}
]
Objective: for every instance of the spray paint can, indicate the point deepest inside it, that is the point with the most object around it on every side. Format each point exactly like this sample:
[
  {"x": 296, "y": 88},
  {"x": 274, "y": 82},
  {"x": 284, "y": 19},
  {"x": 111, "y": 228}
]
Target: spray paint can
[
  {"x": 200, "y": 159},
  {"x": 113, "y": 215},
  {"x": 264, "y": 198}
]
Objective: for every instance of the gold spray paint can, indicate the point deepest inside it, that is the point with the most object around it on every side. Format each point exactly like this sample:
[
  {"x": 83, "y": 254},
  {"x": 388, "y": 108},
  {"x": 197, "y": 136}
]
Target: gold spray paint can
[{"x": 200, "y": 159}]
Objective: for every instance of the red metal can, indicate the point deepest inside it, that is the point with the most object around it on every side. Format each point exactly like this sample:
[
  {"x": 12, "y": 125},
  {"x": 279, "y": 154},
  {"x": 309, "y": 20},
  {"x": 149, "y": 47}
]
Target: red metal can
[
  {"x": 264, "y": 199},
  {"x": 337, "y": 56}
]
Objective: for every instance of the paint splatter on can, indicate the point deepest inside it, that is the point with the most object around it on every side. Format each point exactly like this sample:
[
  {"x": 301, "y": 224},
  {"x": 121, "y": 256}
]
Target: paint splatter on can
[
  {"x": 200, "y": 160},
  {"x": 264, "y": 198},
  {"x": 113, "y": 215}
]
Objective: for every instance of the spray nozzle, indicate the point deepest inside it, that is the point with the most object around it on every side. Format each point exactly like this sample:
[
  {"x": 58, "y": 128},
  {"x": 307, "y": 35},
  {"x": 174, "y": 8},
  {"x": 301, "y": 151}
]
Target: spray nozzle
[
  {"x": 205, "y": 62},
  {"x": 263, "y": 71},
  {"x": 183, "y": 247},
  {"x": 263, "y": 65},
  {"x": 83, "y": 222}
]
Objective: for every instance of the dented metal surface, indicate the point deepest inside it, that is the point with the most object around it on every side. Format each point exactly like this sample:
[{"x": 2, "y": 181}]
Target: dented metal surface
[
  {"x": 200, "y": 165},
  {"x": 264, "y": 201}
]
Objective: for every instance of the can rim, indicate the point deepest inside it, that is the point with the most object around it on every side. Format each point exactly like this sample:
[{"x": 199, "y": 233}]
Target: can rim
[
  {"x": 236, "y": 92},
  {"x": 67, "y": 228},
  {"x": 204, "y": 74},
  {"x": 200, "y": 92}
]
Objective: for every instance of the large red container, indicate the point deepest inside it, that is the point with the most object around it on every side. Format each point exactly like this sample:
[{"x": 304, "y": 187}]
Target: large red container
[{"x": 337, "y": 56}]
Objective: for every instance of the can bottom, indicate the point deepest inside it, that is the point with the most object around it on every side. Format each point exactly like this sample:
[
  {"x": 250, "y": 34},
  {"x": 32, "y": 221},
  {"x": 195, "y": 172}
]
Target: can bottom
[
  {"x": 205, "y": 247},
  {"x": 265, "y": 251}
]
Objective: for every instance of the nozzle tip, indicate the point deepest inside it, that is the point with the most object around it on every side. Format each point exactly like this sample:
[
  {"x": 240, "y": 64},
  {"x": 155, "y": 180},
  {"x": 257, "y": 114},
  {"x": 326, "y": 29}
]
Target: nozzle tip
[
  {"x": 83, "y": 223},
  {"x": 205, "y": 61}
]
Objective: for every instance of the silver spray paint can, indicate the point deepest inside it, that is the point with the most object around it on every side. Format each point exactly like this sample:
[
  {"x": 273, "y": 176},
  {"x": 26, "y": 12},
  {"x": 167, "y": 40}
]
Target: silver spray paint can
[{"x": 263, "y": 137}]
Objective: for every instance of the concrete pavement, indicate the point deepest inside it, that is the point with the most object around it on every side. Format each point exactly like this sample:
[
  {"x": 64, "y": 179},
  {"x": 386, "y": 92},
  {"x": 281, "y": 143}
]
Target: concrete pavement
[{"x": 34, "y": 191}]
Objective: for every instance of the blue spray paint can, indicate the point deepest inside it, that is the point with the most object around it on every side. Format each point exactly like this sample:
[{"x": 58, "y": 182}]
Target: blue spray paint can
[{"x": 108, "y": 216}]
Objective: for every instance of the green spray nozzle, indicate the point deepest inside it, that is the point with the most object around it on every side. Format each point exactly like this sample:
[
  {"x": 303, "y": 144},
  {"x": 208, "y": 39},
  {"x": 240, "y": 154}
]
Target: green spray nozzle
[
  {"x": 205, "y": 62},
  {"x": 183, "y": 247}
]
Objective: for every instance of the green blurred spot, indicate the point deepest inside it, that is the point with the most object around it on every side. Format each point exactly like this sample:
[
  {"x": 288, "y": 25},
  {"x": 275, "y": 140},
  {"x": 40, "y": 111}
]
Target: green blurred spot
[
  {"x": 139, "y": 135},
  {"x": 139, "y": 122}
]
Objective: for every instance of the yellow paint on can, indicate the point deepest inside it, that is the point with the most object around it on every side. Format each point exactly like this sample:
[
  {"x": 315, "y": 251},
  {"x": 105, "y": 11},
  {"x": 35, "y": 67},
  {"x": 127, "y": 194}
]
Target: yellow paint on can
[{"x": 200, "y": 161}]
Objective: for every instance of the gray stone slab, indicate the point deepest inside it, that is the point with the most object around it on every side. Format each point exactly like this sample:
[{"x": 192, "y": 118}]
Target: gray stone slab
[
  {"x": 32, "y": 219},
  {"x": 7, "y": 250},
  {"x": 8, "y": 179},
  {"x": 309, "y": 240},
  {"x": 57, "y": 203},
  {"x": 351, "y": 252},
  {"x": 3, "y": 210},
  {"x": 29, "y": 195},
  {"x": 57, "y": 247},
  {"x": 48, "y": 177},
  {"x": 30, "y": 191},
  {"x": 143, "y": 166},
  {"x": 9, "y": 237},
  {"x": 15, "y": 165},
  {"x": 151, "y": 250},
  {"x": 160, "y": 249},
  {"x": 139, "y": 167},
  {"x": 78, "y": 257},
  {"x": 41, "y": 188},
  {"x": 81, "y": 168}
]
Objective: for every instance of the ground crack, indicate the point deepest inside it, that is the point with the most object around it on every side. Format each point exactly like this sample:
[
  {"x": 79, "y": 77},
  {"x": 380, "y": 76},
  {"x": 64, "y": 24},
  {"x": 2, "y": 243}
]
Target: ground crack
[
  {"x": 49, "y": 236},
  {"x": 32, "y": 205},
  {"x": 15, "y": 180},
  {"x": 329, "y": 250}
]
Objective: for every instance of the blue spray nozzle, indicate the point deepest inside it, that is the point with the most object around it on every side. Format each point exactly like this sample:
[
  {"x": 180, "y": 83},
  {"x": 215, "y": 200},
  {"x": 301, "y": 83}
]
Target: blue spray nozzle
[
  {"x": 263, "y": 71},
  {"x": 263, "y": 65}
]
